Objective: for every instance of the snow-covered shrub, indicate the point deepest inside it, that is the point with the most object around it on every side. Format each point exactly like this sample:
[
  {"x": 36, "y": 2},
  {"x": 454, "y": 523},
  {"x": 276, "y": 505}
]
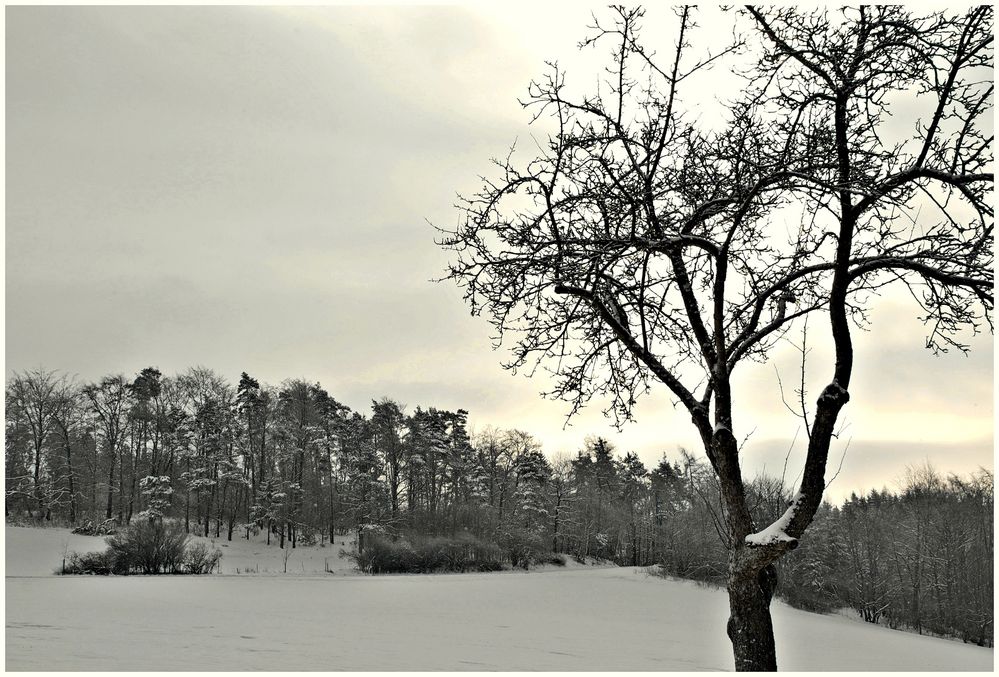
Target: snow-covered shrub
[
  {"x": 201, "y": 559},
  {"x": 97, "y": 563},
  {"x": 306, "y": 536},
  {"x": 85, "y": 529},
  {"x": 147, "y": 547},
  {"x": 150, "y": 547},
  {"x": 105, "y": 528}
]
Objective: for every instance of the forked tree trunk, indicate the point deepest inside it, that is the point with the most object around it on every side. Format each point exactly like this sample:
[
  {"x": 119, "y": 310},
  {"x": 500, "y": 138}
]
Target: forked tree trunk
[{"x": 750, "y": 627}]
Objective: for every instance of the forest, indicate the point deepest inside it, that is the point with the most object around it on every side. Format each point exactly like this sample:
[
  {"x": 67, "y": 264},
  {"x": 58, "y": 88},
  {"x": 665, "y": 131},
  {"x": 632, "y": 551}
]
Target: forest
[{"x": 294, "y": 463}]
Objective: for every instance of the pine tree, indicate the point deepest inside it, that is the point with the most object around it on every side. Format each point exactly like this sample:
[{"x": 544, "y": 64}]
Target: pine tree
[{"x": 532, "y": 473}]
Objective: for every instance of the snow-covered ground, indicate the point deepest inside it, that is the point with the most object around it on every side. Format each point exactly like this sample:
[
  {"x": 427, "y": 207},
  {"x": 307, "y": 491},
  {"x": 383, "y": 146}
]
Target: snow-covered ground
[
  {"x": 576, "y": 619},
  {"x": 39, "y": 552}
]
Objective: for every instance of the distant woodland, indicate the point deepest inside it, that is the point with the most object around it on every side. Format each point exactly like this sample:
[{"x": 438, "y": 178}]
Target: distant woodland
[{"x": 293, "y": 462}]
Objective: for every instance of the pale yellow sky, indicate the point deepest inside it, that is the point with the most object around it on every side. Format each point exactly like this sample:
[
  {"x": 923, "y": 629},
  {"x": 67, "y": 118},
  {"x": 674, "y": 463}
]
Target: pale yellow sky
[{"x": 250, "y": 189}]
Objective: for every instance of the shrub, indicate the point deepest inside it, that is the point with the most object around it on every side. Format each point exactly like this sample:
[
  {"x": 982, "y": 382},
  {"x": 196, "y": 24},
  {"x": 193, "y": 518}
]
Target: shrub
[
  {"x": 201, "y": 559},
  {"x": 438, "y": 554},
  {"x": 307, "y": 537},
  {"x": 382, "y": 556},
  {"x": 710, "y": 574},
  {"x": 95, "y": 563},
  {"x": 481, "y": 555},
  {"x": 434, "y": 554},
  {"x": 150, "y": 547},
  {"x": 524, "y": 548},
  {"x": 460, "y": 553},
  {"x": 105, "y": 528},
  {"x": 147, "y": 547}
]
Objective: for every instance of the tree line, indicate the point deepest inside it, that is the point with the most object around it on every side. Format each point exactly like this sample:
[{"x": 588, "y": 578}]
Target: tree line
[
  {"x": 290, "y": 459},
  {"x": 919, "y": 558},
  {"x": 295, "y": 463}
]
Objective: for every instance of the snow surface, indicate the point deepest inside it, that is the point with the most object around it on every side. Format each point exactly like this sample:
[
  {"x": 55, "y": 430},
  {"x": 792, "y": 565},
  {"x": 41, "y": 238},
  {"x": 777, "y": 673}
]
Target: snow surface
[
  {"x": 38, "y": 552},
  {"x": 579, "y": 619}
]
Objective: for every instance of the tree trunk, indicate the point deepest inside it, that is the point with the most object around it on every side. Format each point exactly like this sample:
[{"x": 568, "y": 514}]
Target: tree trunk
[
  {"x": 121, "y": 489},
  {"x": 332, "y": 496},
  {"x": 394, "y": 484},
  {"x": 232, "y": 514},
  {"x": 187, "y": 504},
  {"x": 555, "y": 528},
  {"x": 69, "y": 471},
  {"x": 132, "y": 493},
  {"x": 220, "y": 513},
  {"x": 38, "y": 469},
  {"x": 750, "y": 627},
  {"x": 111, "y": 485}
]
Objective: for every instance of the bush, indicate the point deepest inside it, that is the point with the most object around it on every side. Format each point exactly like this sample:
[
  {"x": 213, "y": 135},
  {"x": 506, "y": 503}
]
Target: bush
[
  {"x": 95, "y": 563},
  {"x": 712, "y": 573},
  {"x": 147, "y": 547},
  {"x": 382, "y": 556},
  {"x": 524, "y": 548},
  {"x": 201, "y": 559},
  {"x": 461, "y": 553},
  {"x": 306, "y": 537},
  {"x": 150, "y": 547},
  {"x": 435, "y": 554},
  {"x": 105, "y": 528}
]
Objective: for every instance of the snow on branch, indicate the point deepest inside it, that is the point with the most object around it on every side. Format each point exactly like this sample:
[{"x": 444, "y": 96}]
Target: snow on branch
[{"x": 775, "y": 533}]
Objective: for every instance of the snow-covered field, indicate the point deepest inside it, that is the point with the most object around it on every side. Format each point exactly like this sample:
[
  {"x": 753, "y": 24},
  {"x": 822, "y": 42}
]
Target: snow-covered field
[
  {"x": 39, "y": 552},
  {"x": 576, "y": 619}
]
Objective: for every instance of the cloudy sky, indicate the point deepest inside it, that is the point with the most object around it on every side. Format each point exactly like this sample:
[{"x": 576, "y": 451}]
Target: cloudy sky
[{"x": 251, "y": 189}]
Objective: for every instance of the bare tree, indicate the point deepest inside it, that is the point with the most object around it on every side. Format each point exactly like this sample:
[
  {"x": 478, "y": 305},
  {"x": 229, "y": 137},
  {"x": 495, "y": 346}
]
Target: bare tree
[
  {"x": 641, "y": 248},
  {"x": 559, "y": 497},
  {"x": 35, "y": 396},
  {"x": 109, "y": 402},
  {"x": 68, "y": 419}
]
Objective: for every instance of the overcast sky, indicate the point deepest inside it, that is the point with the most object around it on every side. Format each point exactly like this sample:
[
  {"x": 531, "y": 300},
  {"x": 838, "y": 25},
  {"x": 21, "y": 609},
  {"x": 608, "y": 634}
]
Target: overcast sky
[{"x": 250, "y": 189}]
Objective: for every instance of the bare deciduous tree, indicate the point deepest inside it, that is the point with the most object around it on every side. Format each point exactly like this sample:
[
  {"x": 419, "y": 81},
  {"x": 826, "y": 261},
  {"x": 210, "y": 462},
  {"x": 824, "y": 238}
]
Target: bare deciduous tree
[
  {"x": 641, "y": 248},
  {"x": 109, "y": 401},
  {"x": 67, "y": 420},
  {"x": 35, "y": 395}
]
